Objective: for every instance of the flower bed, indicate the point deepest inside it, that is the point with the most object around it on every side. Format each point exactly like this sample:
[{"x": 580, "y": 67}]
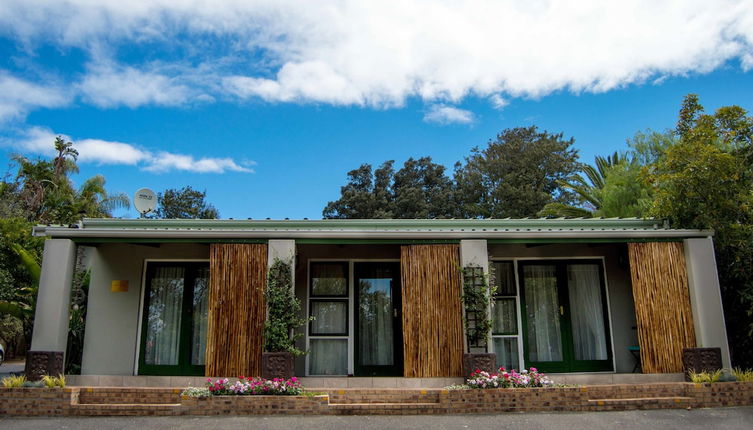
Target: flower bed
[
  {"x": 248, "y": 387},
  {"x": 503, "y": 379}
]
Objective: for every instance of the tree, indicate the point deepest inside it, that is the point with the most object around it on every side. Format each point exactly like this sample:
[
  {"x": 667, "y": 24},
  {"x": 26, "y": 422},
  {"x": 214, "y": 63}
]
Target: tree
[
  {"x": 420, "y": 189},
  {"x": 367, "y": 195},
  {"x": 516, "y": 175},
  {"x": 704, "y": 180},
  {"x": 185, "y": 203}
]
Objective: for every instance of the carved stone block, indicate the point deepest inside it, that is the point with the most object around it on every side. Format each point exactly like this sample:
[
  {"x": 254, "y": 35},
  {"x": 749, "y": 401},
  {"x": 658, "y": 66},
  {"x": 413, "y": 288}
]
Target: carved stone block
[
  {"x": 701, "y": 360},
  {"x": 473, "y": 362},
  {"x": 277, "y": 365},
  {"x": 41, "y": 363}
]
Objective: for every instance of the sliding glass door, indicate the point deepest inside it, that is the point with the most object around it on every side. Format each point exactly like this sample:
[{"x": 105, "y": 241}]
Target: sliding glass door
[
  {"x": 174, "y": 324},
  {"x": 565, "y": 320}
]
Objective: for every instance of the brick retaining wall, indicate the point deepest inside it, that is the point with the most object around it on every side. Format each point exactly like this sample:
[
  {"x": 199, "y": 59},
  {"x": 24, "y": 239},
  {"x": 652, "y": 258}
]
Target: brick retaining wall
[{"x": 83, "y": 401}]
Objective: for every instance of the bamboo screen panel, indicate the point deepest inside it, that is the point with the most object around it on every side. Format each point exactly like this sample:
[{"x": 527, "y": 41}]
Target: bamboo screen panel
[
  {"x": 238, "y": 277},
  {"x": 432, "y": 317},
  {"x": 662, "y": 304}
]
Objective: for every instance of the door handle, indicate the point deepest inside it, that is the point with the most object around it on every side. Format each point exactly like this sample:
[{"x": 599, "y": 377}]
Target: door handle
[
  {"x": 394, "y": 312},
  {"x": 562, "y": 310}
]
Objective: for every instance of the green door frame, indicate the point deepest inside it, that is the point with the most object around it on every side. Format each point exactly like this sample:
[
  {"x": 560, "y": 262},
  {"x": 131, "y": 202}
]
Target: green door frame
[
  {"x": 184, "y": 366},
  {"x": 359, "y": 270},
  {"x": 568, "y": 363}
]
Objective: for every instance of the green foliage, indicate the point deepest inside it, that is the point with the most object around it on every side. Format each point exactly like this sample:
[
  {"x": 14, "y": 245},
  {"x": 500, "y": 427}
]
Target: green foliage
[
  {"x": 704, "y": 180},
  {"x": 13, "y": 381},
  {"x": 77, "y": 318},
  {"x": 53, "y": 381},
  {"x": 283, "y": 309},
  {"x": 420, "y": 189},
  {"x": 184, "y": 203},
  {"x": 476, "y": 298},
  {"x": 612, "y": 187},
  {"x": 516, "y": 175},
  {"x": 43, "y": 192},
  {"x": 704, "y": 377},
  {"x": 743, "y": 375}
]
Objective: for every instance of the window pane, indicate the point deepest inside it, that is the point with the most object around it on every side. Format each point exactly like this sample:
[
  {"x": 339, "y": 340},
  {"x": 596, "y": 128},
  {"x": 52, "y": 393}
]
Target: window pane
[
  {"x": 542, "y": 313},
  {"x": 506, "y": 349},
  {"x": 164, "y": 316},
  {"x": 504, "y": 277},
  {"x": 200, "y": 311},
  {"x": 329, "y": 317},
  {"x": 328, "y": 357},
  {"x": 329, "y": 279},
  {"x": 505, "y": 318},
  {"x": 375, "y": 321},
  {"x": 589, "y": 333}
]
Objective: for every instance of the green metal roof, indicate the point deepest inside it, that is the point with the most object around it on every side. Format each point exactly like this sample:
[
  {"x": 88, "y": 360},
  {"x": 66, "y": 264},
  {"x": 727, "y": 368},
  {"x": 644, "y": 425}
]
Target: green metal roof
[{"x": 371, "y": 229}]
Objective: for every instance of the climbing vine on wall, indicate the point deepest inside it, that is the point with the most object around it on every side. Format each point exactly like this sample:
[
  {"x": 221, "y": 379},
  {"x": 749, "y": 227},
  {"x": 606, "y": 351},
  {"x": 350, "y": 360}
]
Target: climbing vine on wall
[
  {"x": 283, "y": 308},
  {"x": 477, "y": 294}
]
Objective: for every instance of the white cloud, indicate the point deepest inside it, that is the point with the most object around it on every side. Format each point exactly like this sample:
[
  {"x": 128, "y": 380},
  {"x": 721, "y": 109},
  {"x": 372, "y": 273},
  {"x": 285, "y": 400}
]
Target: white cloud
[
  {"x": 165, "y": 161},
  {"x": 382, "y": 53},
  {"x": 39, "y": 140},
  {"x": 443, "y": 114},
  {"x": 18, "y": 96},
  {"x": 498, "y": 101},
  {"x": 111, "y": 86}
]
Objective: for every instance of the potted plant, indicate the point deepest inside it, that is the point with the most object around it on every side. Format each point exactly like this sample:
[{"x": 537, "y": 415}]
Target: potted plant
[
  {"x": 282, "y": 319},
  {"x": 477, "y": 295}
]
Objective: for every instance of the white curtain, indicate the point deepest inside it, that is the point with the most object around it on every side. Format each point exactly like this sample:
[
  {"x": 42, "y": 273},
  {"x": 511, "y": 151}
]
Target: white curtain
[
  {"x": 330, "y": 317},
  {"x": 542, "y": 313},
  {"x": 587, "y": 312},
  {"x": 375, "y": 322},
  {"x": 328, "y": 357},
  {"x": 506, "y": 349},
  {"x": 164, "y": 316},
  {"x": 200, "y": 312}
]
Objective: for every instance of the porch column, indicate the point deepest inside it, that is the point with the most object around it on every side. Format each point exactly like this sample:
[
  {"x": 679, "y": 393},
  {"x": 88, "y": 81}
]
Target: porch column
[
  {"x": 50, "y": 335},
  {"x": 705, "y": 296},
  {"x": 473, "y": 253},
  {"x": 283, "y": 250}
]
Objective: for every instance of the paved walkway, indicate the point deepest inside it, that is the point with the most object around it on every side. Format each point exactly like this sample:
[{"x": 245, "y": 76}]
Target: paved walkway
[
  {"x": 720, "y": 418},
  {"x": 12, "y": 366}
]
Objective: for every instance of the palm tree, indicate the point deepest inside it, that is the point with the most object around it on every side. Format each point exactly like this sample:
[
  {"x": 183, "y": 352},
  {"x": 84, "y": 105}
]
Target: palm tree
[
  {"x": 589, "y": 189},
  {"x": 93, "y": 200}
]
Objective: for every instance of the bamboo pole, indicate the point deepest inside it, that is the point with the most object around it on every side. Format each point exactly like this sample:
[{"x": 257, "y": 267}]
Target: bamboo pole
[
  {"x": 662, "y": 304},
  {"x": 238, "y": 276},
  {"x": 432, "y": 321}
]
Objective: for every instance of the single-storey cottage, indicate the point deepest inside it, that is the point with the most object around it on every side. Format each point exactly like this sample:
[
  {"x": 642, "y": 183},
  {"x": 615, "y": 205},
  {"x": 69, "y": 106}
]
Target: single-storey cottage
[{"x": 185, "y": 297}]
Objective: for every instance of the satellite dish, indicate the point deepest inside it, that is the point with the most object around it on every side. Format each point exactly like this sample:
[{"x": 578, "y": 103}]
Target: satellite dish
[{"x": 145, "y": 201}]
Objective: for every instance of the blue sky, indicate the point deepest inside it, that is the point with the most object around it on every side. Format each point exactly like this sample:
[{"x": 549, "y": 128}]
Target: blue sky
[{"x": 267, "y": 105}]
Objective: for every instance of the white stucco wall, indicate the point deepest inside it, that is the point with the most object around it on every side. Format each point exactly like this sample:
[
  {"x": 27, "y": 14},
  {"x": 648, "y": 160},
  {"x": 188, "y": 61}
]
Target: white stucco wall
[
  {"x": 705, "y": 296},
  {"x": 112, "y": 320},
  {"x": 51, "y": 317}
]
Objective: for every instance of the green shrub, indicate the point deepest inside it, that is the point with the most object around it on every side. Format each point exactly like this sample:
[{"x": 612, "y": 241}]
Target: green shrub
[
  {"x": 53, "y": 381},
  {"x": 14, "y": 381},
  {"x": 705, "y": 377},
  {"x": 743, "y": 375}
]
